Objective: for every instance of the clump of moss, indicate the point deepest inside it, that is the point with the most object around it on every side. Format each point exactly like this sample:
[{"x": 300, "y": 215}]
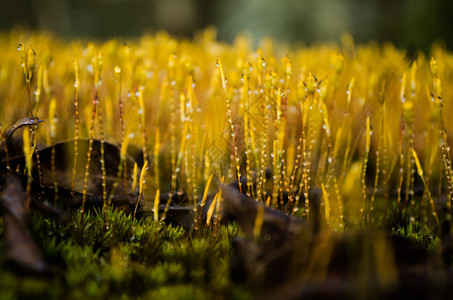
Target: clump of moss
[{"x": 131, "y": 258}]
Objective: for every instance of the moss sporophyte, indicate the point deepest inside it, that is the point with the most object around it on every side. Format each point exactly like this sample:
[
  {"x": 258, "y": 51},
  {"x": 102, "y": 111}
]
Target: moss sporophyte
[{"x": 214, "y": 153}]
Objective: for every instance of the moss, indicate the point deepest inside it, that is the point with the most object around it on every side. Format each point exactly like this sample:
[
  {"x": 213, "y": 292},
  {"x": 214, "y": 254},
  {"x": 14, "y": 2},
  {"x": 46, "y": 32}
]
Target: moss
[
  {"x": 344, "y": 119},
  {"x": 130, "y": 258}
]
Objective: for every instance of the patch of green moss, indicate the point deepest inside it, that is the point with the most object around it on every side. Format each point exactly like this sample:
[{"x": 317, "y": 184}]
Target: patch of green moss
[{"x": 124, "y": 258}]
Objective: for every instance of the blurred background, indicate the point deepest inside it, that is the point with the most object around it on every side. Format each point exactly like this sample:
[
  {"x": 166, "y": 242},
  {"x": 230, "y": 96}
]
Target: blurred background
[{"x": 410, "y": 24}]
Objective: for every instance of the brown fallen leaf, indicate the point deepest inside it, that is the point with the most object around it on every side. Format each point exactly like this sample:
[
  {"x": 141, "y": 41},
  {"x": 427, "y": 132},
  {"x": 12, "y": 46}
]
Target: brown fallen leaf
[
  {"x": 19, "y": 249},
  {"x": 293, "y": 260},
  {"x": 277, "y": 228},
  {"x": 64, "y": 160}
]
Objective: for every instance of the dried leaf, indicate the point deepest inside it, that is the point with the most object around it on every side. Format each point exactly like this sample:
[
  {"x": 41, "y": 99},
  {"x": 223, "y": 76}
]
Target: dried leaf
[
  {"x": 64, "y": 159},
  {"x": 20, "y": 248}
]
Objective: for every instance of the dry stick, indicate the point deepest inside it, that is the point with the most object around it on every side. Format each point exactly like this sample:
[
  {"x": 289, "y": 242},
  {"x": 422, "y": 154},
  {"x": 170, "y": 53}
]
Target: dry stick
[
  {"x": 303, "y": 147},
  {"x": 233, "y": 133},
  {"x": 172, "y": 128},
  {"x": 101, "y": 132},
  {"x": 195, "y": 130},
  {"x": 117, "y": 71},
  {"x": 307, "y": 160},
  {"x": 311, "y": 91},
  {"x": 189, "y": 151},
  {"x": 401, "y": 169},
  {"x": 276, "y": 173},
  {"x": 282, "y": 112},
  {"x": 283, "y": 183},
  {"x": 384, "y": 159},
  {"x": 408, "y": 135},
  {"x": 263, "y": 153},
  {"x": 331, "y": 169},
  {"x": 348, "y": 156},
  {"x": 364, "y": 164},
  {"x": 376, "y": 178},
  {"x": 277, "y": 160},
  {"x": 52, "y": 108},
  {"x": 420, "y": 173},
  {"x": 90, "y": 148},
  {"x": 97, "y": 82},
  {"x": 295, "y": 168},
  {"x": 157, "y": 143},
  {"x": 194, "y": 177},
  {"x": 28, "y": 62},
  {"x": 382, "y": 147},
  {"x": 30, "y": 128},
  {"x": 409, "y": 186},
  {"x": 248, "y": 138},
  {"x": 437, "y": 100},
  {"x": 142, "y": 123},
  {"x": 76, "y": 127},
  {"x": 447, "y": 161},
  {"x": 35, "y": 130},
  {"x": 186, "y": 164},
  {"x": 409, "y": 107},
  {"x": 263, "y": 157}
]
